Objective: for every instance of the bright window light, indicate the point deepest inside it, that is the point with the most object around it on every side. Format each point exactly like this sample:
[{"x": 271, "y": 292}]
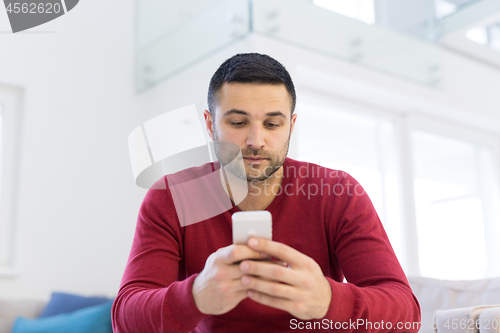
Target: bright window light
[
  {"x": 478, "y": 35},
  {"x": 361, "y": 10},
  {"x": 488, "y": 35},
  {"x": 361, "y": 145},
  {"x": 494, "y": 32},
  {"x": 455, "y": 185},
  {"x": 444, "y": 8},
  {"x": 449, "y": 193}
]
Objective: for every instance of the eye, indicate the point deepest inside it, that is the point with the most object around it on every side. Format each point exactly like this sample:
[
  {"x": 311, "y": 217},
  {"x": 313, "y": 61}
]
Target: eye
[
  {"x": 272, "y": 125},
  {"x": 237, "y": 123}
]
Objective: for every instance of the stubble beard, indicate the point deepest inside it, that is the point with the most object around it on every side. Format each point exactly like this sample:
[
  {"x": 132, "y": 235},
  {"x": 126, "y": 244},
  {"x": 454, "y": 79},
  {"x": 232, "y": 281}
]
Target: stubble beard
[{"x": 228, "y": 156}]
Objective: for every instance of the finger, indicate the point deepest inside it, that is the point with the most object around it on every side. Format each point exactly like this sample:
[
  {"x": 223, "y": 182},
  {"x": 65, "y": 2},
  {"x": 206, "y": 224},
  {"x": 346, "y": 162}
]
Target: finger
[
  {"x": 274, "y": 302},
  {"x": 279, "y": 262},
  {"x": 237, "y": 294},
  {"x": 271, "y": 288},
  {"x": 270, "y": 271},
  {"x": 235, "y": 253},
  {"x": 227, "y": 272},
  {"x": 278, "y": 250}
]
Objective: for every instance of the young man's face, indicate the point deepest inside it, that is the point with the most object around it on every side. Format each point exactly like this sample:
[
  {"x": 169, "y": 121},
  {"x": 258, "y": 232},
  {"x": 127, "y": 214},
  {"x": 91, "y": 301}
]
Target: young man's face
[{"x": 257, "y": 118}]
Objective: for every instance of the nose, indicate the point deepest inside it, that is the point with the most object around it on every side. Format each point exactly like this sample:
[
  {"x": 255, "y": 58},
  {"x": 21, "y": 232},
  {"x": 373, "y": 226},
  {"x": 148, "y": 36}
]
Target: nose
[{"x": 255, "y": 138}]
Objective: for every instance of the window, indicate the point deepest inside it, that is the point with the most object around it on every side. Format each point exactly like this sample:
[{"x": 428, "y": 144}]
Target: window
[
  {"x": 360, "y": 144},
  {"x": 361, "y": 10},
  {"x": 441, "y": 211},
  {"x": 454, "y": 181},
  {"x": 4, "y": 253},
  {"x": 9, "y": 156},
  {"x": 448, "y": 7},
  {"x": 486, "y": 35}
]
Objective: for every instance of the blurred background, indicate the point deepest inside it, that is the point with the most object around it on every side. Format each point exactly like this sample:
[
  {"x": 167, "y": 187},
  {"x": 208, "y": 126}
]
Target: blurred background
[{"x": 402, "y": 94}]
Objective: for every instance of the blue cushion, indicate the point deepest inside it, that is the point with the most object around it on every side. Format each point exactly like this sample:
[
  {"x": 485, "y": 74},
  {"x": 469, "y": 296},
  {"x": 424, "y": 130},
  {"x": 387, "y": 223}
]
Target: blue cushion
[
  {"x": 95, "y": 319},
  {"x": 64, "y": 303}
]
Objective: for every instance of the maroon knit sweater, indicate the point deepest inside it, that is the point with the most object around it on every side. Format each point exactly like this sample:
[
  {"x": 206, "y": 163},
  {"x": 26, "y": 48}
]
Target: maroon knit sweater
[{"x": 320, "y": 212}]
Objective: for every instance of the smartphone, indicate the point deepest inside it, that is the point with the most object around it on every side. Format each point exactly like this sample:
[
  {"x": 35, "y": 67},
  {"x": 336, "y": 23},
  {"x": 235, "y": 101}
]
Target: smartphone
[{"x": 254, "y": 223}]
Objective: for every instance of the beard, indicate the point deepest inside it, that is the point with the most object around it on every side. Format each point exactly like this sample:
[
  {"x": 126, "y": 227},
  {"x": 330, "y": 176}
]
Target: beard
[{"x": 231, "y": 158}]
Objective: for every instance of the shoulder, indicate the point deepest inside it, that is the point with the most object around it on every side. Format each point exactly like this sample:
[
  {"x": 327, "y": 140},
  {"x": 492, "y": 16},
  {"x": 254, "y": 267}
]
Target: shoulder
[
  {"x": 160, "y": 193},
  {"x": 318, "y": 182},
  {"x": 311, "y": 172},
  {"x": 192, "y": 195}
]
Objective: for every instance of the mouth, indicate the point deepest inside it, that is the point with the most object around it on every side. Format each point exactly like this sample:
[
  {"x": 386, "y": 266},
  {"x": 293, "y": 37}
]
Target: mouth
[{"x": 255, "y": 159}]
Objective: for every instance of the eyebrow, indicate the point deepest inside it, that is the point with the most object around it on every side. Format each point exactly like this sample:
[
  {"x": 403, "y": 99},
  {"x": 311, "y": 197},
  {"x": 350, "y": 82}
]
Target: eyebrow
[{"x": 244, "y": 113}]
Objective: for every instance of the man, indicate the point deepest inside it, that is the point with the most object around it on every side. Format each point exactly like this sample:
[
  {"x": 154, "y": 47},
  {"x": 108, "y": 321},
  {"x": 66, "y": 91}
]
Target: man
[{"x": 183, "y": 278}]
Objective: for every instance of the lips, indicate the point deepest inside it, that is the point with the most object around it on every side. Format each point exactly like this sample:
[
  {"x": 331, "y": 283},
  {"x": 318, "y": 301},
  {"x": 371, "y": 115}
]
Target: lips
[{"x": 255, "y": 159}]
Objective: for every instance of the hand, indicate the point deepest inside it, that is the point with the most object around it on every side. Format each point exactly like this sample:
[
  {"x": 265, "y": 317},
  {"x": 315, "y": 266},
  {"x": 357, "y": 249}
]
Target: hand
[
  {"x": 302, "y": 290},
  {"x": 218, "y": 289}
]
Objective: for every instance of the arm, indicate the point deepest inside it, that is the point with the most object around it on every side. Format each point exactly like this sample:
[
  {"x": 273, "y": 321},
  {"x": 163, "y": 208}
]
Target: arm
[
  {"x": 378, "y": 291},
  {"x": 150, "y": 299}
]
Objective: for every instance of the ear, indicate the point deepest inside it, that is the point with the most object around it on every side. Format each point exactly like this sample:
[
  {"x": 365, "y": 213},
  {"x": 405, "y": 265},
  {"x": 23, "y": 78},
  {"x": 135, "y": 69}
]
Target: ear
[
  {"x": 292, "y": 122},
  {"x": 209, "y": 123}
]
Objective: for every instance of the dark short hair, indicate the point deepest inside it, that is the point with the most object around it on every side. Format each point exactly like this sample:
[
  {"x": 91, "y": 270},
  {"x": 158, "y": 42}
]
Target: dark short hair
[{"x": 250, "y": 68}]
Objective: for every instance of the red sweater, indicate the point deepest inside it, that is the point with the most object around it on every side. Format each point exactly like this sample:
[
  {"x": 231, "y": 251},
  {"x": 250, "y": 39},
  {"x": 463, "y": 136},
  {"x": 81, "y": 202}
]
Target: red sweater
[{"x": 321, "y": 212}]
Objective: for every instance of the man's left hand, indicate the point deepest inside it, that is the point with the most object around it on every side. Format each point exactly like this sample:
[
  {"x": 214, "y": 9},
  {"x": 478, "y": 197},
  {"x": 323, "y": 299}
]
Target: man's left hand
[{"x": 301, "y": 289}]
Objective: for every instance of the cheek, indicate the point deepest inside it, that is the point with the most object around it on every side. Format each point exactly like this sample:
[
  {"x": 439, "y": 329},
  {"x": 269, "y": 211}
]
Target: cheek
[
  {"x": 229, "y": 135},
  {"x": 279, "y": 140}
]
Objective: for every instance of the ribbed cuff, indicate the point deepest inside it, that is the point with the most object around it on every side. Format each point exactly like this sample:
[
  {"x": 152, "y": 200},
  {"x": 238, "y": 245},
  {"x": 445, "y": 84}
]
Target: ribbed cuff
[
  {"x": 180, "y": 305},
  {"x": 342, "y": 304}
]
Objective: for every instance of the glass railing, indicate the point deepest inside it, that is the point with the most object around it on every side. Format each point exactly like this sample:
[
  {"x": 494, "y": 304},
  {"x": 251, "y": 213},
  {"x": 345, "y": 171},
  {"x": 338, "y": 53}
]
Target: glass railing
[
  {"x": 473, "y": 12},
  {"x": 203, "y": 33},
  {"x": 488, "y": 35},
  {"x": 306, "y": 25},
  {"x": 474, "y": 30},
  {"x": 296, "y": 22}
]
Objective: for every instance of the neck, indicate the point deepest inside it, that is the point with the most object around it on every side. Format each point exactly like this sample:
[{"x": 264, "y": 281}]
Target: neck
[{"x": 255, "y": 195}]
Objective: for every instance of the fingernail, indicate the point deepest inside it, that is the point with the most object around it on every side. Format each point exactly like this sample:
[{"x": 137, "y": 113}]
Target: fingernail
[
  {"x": 250, "y": 293},
  {"x": 244, "y": 266},
  {"x": 263, "y": 255},
  {"x": 245, "y": 280},
  {"x": 253, "y": 242}
]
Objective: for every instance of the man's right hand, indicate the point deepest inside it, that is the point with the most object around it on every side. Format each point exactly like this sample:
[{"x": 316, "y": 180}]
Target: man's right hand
[{"x": 218, "y": 288}]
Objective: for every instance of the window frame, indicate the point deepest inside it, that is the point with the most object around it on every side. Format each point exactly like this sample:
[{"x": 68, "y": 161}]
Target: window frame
[
  {"x": 11, "y": 99},
  {"x": 476, "y": 136},
  {"x": 404, "y": 123}
]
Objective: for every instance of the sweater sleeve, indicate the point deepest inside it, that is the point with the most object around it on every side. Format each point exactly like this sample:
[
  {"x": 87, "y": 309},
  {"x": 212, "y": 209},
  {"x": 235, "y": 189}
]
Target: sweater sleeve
[
  {"x": 377, "y": 295},
  {"x": 150, "y": 299}
]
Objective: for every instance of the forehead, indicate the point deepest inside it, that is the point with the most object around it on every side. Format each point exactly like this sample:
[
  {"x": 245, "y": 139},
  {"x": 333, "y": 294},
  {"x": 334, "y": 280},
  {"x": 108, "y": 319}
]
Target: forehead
[{"x": 254, "y": 98}]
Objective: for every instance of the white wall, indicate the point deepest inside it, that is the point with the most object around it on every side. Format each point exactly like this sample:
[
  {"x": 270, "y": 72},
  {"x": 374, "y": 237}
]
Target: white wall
[{"x": 78, "y": 202}]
